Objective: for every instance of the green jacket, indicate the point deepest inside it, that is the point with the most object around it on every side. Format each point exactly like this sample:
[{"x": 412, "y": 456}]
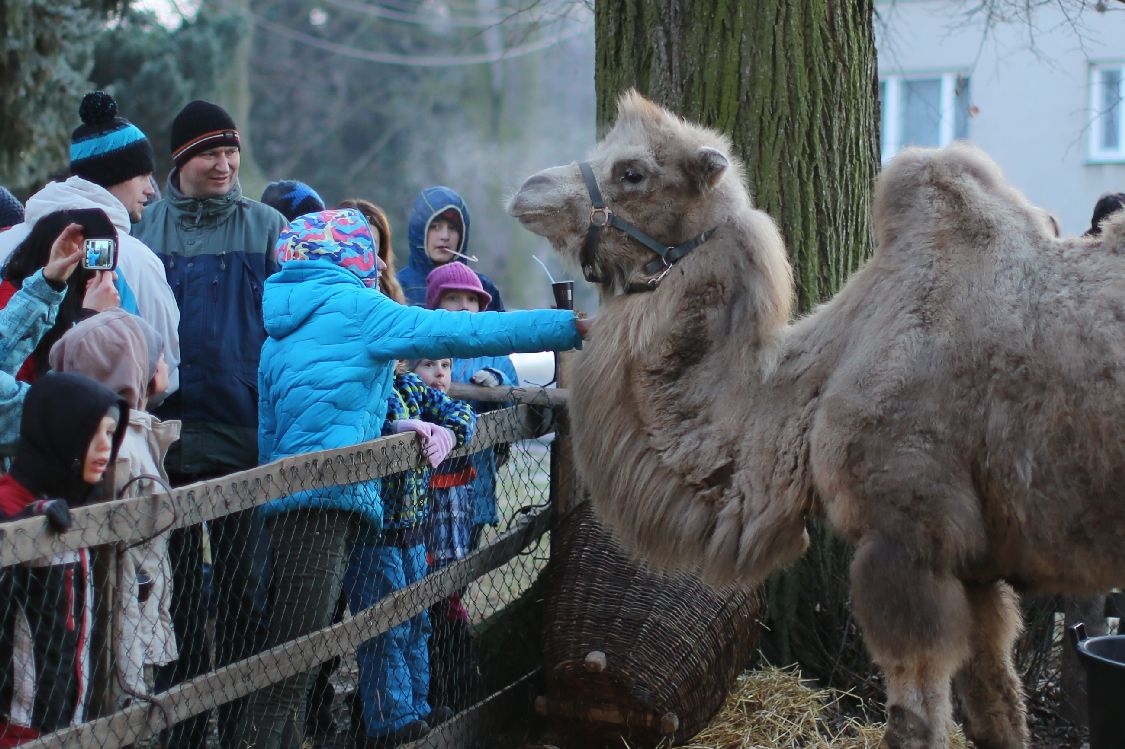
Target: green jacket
[{"x": 217, "y": 253}]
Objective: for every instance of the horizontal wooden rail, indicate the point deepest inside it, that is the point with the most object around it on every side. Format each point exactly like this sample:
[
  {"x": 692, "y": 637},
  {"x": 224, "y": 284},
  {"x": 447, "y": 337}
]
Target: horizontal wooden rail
[
  {"x": 529, "y": 396},
  {"x": 141, "y": 720},
  {"x": 129, "y": 520}
]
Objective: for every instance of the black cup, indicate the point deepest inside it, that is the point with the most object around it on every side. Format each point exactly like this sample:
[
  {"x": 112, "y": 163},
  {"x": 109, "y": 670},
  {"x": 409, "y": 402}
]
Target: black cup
[{"x": 564, "y": 294}]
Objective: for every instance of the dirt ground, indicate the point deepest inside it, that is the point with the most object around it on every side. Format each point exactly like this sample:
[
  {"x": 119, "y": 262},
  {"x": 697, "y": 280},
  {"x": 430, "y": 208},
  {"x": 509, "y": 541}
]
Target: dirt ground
[{"x": 1049, "y": 731}]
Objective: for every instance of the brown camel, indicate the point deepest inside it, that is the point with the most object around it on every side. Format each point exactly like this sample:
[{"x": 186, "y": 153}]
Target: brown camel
[{"x": 957, "y": 411}]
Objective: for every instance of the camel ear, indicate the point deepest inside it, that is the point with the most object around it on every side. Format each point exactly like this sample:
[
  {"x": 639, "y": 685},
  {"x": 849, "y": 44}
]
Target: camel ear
[{"x": 707, "y": 166}]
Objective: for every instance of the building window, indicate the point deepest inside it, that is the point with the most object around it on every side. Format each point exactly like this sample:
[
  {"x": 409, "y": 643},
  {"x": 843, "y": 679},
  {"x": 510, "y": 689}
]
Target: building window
[
  {"x": 1107, "y": 127},
  {"x": 923, "y": 110}
]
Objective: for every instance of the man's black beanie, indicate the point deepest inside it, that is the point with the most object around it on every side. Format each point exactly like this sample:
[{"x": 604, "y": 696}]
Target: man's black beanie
[{"x": 201, "y": 126}]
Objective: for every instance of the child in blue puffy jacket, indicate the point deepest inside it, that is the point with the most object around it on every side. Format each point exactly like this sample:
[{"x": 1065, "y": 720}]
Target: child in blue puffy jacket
[{"x": 324, "y": 377}]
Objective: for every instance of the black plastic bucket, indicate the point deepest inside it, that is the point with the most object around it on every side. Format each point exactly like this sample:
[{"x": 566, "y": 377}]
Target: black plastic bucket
[{"x": 1104, "y": 661}]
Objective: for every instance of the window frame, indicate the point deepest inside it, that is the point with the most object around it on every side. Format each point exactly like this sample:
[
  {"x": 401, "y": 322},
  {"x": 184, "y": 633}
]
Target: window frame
[
  {"x": 1098, "y": 152},
  {"x": 890, "y": 125}
]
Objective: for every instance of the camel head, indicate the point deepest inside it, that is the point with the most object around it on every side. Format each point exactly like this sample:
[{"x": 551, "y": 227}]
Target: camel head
[{"x": 671, "y": 180}]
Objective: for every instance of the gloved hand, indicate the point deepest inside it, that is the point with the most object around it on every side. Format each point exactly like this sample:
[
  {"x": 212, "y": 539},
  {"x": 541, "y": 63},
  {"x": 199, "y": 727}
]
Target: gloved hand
[
  {"x": 413, "y": 425},
  {"x": 56, "y": 511},
  {"x": 487, "y": 377},
  {"x": 437, "y": 441},
  {"x": 441, "y": 441}
]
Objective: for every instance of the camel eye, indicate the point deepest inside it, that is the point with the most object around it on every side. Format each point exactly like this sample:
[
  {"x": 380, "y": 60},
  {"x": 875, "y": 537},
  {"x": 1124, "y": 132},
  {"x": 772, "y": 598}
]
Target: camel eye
[{"x": 632, "y": 176}]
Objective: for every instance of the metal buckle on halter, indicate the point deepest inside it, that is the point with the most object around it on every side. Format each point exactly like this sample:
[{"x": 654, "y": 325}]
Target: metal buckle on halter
[
  {"x": 657, "y": 279},
  {"x": 602, "y": 213}
]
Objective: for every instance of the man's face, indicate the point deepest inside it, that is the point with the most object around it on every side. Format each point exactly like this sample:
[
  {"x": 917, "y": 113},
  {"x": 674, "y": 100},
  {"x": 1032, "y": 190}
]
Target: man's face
[
  {"x": 443, "y": 238},
  {"x": 210, "y": 174},
  {"x": 134, "y": 194}
]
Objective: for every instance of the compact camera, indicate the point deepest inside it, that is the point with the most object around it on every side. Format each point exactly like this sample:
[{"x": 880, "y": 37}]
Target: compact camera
[
  {"x": 99, "y": 250},
  {"x": 99, "y": 253}
]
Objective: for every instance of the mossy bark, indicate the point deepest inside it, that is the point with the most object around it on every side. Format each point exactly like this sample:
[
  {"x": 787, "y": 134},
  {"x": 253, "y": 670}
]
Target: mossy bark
[
  {"x": 794, "y": 83},
  {"x": 795, "y": 86}
]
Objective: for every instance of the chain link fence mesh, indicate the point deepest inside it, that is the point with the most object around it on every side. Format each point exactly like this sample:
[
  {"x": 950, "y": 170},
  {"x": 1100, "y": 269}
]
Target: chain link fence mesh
[{"x": 202, "y": 620}]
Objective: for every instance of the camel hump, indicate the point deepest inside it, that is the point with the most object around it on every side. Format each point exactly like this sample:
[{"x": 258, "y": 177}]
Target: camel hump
[
  {"x": 925, "y": 195},
  {"x": 1113, "y": 233}
]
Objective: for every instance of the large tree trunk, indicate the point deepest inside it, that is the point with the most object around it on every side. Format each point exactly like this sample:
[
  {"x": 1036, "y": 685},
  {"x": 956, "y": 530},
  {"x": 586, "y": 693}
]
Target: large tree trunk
[
  {"x": 794, "y": 83},
  {"x": 233, "y": 93}
]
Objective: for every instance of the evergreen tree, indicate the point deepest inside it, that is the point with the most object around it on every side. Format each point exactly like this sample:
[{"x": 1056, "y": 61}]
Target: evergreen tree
[{"x": 47, "y": 53}]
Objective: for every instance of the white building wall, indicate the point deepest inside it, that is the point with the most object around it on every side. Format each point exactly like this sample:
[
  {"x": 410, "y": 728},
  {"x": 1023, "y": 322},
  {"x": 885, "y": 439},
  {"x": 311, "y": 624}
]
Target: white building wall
[{"x": 1029, "y": 85}]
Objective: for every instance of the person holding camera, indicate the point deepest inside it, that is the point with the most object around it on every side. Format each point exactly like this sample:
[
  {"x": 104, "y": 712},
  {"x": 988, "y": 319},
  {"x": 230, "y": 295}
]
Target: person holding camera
[
  {"x": 25, "y": 319},
  {"x": 88, "y": 291},
  {"x": 111, "y": 165}
]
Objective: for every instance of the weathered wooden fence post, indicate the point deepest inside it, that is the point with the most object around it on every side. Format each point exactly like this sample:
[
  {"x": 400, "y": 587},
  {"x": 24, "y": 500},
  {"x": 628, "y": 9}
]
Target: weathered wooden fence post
[{"x": 564, "y": 486}]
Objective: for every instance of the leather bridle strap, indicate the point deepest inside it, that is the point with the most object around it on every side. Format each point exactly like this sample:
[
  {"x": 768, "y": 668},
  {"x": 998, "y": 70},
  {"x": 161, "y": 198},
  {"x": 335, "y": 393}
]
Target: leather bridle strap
[{"x": 601, "y": 216}]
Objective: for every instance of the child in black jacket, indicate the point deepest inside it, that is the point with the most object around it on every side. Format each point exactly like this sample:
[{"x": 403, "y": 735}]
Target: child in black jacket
[{"x": 70, "y": 431}]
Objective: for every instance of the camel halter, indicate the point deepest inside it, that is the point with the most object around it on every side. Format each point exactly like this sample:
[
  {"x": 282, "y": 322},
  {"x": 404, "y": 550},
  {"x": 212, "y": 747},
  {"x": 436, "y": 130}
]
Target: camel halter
[{"x": 601, "y": 217}]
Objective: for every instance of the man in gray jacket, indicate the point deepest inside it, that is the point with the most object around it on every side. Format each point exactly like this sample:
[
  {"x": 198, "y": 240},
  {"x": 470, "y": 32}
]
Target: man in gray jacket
[{"x": 217, "y": 246}]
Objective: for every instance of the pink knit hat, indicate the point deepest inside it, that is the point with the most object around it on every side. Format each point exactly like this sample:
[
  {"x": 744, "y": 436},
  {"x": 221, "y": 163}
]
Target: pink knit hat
[{"x": 451, "y": 276}]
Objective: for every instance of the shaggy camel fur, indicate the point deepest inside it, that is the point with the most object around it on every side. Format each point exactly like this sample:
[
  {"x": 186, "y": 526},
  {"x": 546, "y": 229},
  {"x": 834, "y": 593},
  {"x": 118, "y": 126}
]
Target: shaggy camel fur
[{"x": 957, "y": 411}]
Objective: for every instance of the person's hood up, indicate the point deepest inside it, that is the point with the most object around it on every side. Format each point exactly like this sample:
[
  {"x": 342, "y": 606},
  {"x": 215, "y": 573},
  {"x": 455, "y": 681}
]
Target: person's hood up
[
  {"x": 341, "y": 236},
  {"x": 428, "y": 205},
  {"x": 109, "y": 347},
  {"x": 61, "y": 413},
  {"x": 299, "y": 289},
  {"x": 320, "y": 254}
]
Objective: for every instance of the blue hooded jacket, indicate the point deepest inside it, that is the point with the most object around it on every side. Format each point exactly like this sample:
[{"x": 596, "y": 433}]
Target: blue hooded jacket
[
  {"x": 327, "y": 365},
  {"x": 429, "y": 203}
]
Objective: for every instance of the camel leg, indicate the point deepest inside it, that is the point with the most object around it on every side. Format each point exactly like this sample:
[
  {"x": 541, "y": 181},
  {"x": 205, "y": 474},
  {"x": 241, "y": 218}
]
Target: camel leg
[
  {"x": 916, "y": 626},
  {"x": 988, "y": 686}
]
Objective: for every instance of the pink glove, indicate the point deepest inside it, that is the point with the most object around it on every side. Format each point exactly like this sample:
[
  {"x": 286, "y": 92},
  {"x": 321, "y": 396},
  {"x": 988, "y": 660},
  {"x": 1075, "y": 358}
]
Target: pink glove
[
  {"x": 413, "y": 425},
  {"x": 439, "y": 444},
  {"x": 437, "y": 441}
]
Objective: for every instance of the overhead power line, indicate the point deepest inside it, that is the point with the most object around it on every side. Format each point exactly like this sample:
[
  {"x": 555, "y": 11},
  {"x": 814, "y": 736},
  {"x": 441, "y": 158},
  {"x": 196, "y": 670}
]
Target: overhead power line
[
  {"x": 442, "y": 61},
  {"x": 474, "y": 20}
]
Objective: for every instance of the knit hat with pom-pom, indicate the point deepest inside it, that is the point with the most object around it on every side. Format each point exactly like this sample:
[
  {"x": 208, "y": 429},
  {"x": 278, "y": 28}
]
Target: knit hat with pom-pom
[{"x": 107, "y": 149}]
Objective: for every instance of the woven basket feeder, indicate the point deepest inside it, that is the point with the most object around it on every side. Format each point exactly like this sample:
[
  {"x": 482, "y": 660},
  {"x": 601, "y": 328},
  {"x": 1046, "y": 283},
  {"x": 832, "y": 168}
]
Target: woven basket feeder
[{"x": 633, "y": 653}]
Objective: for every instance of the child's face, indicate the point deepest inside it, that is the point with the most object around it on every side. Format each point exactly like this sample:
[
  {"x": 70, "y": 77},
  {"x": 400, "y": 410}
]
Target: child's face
[
  {"x": 458, "y": 300},
  {"x": 159, "y": 378},
  {"x": 443, "y": 238},
  {"x": 99, "y": 451},
  {"x": 435, "y": 372}
]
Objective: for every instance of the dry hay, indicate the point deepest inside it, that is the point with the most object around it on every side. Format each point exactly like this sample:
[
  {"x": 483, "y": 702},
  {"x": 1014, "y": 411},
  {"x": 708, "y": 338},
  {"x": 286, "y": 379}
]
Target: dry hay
[{"x": 773, "y": 708}]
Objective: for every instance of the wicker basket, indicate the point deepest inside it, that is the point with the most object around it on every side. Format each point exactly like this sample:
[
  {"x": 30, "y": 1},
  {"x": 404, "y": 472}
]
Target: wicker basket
[{"x": 631, "y": 652}]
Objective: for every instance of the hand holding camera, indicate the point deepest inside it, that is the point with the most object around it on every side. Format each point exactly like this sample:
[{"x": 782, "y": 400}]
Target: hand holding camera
[
  {"x": 101, "y": 294},
  {"x": 99, "y": 247},
  {"x": 66, "y": 253}
]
